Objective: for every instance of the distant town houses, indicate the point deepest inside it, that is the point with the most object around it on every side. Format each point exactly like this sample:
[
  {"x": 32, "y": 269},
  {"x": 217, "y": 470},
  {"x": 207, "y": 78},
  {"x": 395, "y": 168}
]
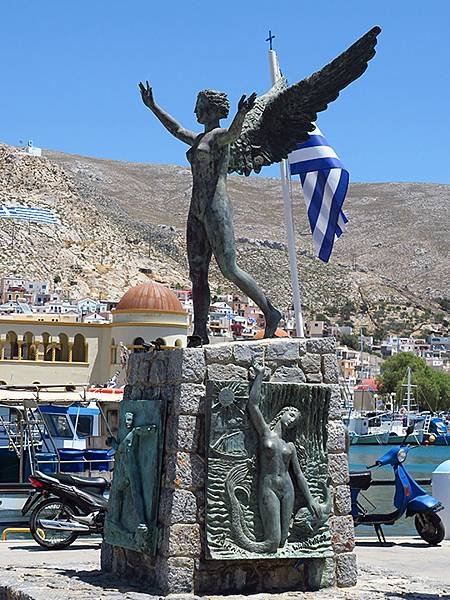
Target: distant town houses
[
  {"x": 231, "y": 316},
  {"x": 26, "y": 297}
]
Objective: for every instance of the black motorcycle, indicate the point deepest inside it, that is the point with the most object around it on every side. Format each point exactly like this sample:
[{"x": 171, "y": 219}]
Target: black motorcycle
[{"x": 64, "y": 506}]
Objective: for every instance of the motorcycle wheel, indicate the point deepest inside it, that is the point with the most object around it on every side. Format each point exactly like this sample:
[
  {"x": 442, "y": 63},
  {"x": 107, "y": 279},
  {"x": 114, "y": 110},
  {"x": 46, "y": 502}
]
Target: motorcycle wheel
[
  {"x": 52, "y": 540},
  {"x": 430, "y": 527}
]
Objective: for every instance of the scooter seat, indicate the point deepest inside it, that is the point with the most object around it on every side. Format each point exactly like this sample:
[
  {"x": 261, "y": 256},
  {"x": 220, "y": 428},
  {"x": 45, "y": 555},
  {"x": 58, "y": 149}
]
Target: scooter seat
[
  {"x": 80, "y": 481},
  {"x": 360, "y": 480}
]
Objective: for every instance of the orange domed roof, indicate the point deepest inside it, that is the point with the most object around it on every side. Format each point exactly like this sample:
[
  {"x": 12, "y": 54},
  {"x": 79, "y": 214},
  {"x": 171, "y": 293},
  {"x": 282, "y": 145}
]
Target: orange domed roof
[
  {"x": 150, "y": 296},
  {"x": 259, "y": 335}
]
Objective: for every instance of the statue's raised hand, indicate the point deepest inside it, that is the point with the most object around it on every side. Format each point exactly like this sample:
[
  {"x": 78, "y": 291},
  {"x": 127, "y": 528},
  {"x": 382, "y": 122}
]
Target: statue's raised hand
[
  {"x": 245, "y": 104},
  {"x": 147, "y": 94}
]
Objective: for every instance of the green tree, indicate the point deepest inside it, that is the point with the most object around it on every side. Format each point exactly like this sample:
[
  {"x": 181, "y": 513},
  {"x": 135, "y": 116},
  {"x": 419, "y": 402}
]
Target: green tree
[
  {"x": 352, "y": 341},
  {"x": 433, "y": 386}
]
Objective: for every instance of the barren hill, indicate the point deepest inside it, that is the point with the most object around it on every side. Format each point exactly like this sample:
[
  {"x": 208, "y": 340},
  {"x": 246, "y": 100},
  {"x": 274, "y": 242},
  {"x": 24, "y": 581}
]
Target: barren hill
[{"x": 391, "y": 267}]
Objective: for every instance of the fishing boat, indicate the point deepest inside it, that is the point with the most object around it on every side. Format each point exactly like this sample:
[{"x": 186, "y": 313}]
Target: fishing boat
[
  {"x": 374, "y": 428},
  {"x": 51, "y": 429}
]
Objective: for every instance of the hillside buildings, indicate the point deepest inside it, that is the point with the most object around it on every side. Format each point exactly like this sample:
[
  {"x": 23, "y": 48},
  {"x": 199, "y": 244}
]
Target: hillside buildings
[{"x": 60, "y": 347}]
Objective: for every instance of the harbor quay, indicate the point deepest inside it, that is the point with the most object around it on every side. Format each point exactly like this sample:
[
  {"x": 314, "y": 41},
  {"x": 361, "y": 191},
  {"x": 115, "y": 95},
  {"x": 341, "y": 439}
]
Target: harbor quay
[{"x": 406, "y": 568}]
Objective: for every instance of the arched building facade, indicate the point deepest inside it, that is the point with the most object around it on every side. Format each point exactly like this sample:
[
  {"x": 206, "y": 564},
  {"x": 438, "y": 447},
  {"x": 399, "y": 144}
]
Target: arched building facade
[{"x": 51, "y": 349}]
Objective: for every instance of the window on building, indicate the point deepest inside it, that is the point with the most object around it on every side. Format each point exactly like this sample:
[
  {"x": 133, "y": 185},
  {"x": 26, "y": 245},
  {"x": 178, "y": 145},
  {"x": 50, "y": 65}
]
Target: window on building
[
  {"x": 79, "y": 348},
  {"x": 58, "y": 425},
  {"x": 85, "y": 424}
]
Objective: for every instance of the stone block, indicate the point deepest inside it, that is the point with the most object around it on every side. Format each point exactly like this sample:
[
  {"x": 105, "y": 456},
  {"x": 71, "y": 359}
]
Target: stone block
[
  {"x": 175, "y": 575},
  {"x": 342, "y": 500},
  {"x": 321, "y": 345},
  {"x": 226, "y": 372},
  {"x": 346, "y": 570},
  {"x": 314, "y": 377},
  {"x": 188, "y": 399},
  {"x": 186, "y": 365},
  {"x": 301, "y": 346},
  {"x": 335, "y": 410},
  {"x": 136, "y": 392},
  {"x": 177, "y": 506},
  {"x": 184, "y": 433},
  {"x": 336, "y": 437},
  {"x": 310, "y": 363},
  {"x": 247, "y": 353},
  {"x": 338, "y": 468},
  {"x": 127, "y": 392},
  {"x": 180, "y": 540},
  {"x": 286, "y": 374},
  {"x": 185, "y": 471},
  {"x": 157, "y": 372},
  {"x": 218, "y": 353},
  {"x": 132, "y": 369},
  {"x": 283, "y": 351},
  {"x": 342, "y": 533},
  {"x": 144, "y": 364},
  {"x": 319, "y": 573},
  {"x": 106, "y": 557},
  {"x": 330, "y": 368}
]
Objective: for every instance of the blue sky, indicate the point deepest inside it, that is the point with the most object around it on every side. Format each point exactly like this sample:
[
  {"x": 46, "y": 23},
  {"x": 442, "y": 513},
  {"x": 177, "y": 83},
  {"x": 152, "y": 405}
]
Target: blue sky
[{"x": 70, "y": 72}]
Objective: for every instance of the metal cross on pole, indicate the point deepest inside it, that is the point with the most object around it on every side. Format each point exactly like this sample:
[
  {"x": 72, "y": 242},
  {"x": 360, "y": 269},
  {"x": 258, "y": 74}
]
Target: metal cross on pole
[{"x": 269, "y": 39}]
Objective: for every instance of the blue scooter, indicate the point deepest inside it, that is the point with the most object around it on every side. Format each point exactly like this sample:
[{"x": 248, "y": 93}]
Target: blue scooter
[{"x": 409, "y": 499}]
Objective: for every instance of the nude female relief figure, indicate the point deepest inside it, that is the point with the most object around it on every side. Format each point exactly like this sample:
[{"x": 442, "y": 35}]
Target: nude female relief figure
[
  {"x": 264, "y": 131},
  {"x": 278, "y": 470}
]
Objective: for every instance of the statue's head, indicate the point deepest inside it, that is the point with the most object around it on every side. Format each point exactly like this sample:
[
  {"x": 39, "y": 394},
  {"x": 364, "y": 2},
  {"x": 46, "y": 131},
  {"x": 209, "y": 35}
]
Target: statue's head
[
  {"x": 129, "y": 417},
  {"x": 288, "y": 417},
  {"x": 210, "y": 102}
]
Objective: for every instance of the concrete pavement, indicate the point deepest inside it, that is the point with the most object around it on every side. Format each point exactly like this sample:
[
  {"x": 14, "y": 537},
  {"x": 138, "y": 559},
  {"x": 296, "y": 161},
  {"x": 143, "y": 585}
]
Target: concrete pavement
[
  {"x": 406, "y": 556},
  {"x": 406, "y": 569}
]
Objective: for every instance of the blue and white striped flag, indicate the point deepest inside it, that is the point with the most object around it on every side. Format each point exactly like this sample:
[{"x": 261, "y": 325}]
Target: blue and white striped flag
[
  {"x": 324, "y": 181},
  {"x": 25, "y": 213}
]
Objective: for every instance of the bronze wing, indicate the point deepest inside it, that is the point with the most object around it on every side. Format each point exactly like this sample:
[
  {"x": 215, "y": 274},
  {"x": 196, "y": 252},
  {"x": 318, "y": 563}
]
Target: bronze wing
[{"x": 282, "y": 118}]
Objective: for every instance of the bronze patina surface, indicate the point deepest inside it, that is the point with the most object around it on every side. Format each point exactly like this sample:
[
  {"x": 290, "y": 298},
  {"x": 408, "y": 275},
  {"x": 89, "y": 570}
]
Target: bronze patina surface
[
  {"x": 268, "y": 493},
  {"x": 133, "y": 502},
  {"x": 264, "y": 131}
]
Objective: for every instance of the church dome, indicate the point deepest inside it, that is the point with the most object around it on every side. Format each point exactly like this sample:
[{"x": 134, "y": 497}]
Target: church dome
[{"x": 149, "y": 296}]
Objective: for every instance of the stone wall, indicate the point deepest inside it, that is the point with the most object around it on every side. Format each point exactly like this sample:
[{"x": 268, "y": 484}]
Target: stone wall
[{"x": 179, "y": 376}]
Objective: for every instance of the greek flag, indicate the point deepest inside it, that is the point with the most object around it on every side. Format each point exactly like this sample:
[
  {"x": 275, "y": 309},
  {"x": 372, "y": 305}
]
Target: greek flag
[
  {"x": 324, "y": 182},
  {"x": 25, "y": 213}
]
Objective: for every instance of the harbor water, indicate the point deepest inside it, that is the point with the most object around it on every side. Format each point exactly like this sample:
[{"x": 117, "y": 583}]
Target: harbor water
[{"x": 420, "y": 463}]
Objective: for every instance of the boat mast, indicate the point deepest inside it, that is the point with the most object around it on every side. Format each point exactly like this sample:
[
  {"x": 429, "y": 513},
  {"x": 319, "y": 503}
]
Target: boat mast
[{"x": 408, "y": 397}]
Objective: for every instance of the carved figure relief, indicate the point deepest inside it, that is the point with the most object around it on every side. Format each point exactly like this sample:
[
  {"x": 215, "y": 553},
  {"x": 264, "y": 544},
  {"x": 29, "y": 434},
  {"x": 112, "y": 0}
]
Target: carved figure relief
[
  {"x": 267, "y": 491},
  {"x": 131, "y": 517}
]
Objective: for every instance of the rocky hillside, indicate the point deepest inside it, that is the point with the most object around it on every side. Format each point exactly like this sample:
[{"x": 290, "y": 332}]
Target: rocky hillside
[{"x": 390, "y": 269}]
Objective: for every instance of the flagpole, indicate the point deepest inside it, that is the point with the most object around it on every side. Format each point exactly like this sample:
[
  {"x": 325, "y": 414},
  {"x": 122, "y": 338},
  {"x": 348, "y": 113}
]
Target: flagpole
[{"x": 288, "y": 216}]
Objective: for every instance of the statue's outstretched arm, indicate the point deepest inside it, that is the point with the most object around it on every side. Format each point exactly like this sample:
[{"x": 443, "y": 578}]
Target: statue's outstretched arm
[
  {"x": 230, "y": 135},
  {"x": 177, "y": 130},
  {"x": 254, "y": 398}
]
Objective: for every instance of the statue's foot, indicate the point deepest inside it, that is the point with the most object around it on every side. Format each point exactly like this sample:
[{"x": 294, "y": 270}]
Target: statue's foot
[
  {"x": 196, "y": 341},
  {"x": 272, "y": 320}
]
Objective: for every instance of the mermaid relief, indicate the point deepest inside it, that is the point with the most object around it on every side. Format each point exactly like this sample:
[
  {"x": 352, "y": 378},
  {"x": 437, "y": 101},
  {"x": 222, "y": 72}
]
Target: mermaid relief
[{"x": 279, "y": 469}]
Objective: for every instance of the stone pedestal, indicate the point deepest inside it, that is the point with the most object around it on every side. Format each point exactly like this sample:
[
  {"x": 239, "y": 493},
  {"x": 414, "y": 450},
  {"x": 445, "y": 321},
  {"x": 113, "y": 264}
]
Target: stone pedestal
[{"x": 179, "y": 378}]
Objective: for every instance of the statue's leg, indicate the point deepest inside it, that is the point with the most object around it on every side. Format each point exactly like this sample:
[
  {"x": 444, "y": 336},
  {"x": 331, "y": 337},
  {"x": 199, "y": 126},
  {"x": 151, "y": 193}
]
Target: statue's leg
[
  {"x": 269, "y": 511},
  {"x": 199, "y": 257},
  {"x": 219, "y": 227},
  {"x": 287, "y": 508}
]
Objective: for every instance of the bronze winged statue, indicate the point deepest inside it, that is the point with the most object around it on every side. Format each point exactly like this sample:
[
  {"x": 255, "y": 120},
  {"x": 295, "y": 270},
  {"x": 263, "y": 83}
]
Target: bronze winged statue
[{"x": 264, "y": 131}]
